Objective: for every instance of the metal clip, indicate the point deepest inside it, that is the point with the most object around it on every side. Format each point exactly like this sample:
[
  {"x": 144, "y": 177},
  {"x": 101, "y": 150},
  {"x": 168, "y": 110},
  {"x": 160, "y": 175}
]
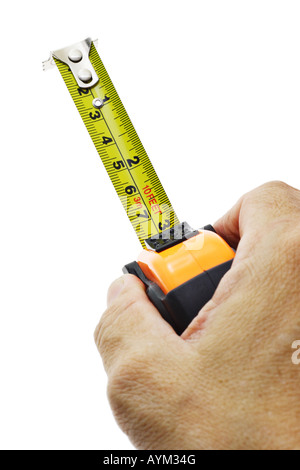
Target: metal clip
[{"x": 77, "y": 58}]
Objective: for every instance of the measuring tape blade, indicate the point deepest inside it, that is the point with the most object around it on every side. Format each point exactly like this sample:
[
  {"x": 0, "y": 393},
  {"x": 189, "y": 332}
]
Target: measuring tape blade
[{"x": 119, "y": 147}]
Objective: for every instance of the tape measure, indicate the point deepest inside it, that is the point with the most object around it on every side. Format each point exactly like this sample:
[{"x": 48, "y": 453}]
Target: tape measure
[
  {"x": 180, "y": 267},
  {"x": 119, "y": 147}
]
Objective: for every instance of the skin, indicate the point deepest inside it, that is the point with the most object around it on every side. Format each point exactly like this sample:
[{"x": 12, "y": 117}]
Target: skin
[{"x": 228, "y": 382}]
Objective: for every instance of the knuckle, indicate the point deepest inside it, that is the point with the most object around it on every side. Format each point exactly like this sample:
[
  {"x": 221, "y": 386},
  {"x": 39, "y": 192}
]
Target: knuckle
[
  {"x": 267, "y": 192},
  {"x": 244, "y": 270},
  {"x": 277, "y": 197},
  {"x": 129, "y": 380},
  {"x": 276, "y": 185},
  {"x": 277, "y": 193},
  {"x": 291, "y": 245},
  {"x": 110, "y": 322},
  {"x": 138, "y": 372},
  {"x": 99, "y": 334},
  {"x": 105, "y": 341},
  {"x": 132, "y": 369}
]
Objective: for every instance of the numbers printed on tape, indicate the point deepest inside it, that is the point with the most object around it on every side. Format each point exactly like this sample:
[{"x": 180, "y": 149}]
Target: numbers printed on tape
[{"x": 121, "y": 151}]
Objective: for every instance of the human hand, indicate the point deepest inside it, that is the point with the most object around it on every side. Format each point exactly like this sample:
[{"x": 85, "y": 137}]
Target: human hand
[{"x": 228, "y": 382}]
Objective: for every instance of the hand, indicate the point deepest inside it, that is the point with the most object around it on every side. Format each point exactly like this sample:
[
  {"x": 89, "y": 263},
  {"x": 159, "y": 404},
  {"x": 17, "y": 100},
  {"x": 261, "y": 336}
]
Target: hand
[{"x": 228, "y": 382}]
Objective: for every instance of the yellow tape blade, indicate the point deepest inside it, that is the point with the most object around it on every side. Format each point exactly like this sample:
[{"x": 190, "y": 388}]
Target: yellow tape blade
[{"x": 122, "y": 153}]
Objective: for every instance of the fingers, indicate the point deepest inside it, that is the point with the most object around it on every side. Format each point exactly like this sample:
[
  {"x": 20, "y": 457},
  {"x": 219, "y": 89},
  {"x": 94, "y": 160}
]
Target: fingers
[
  {"x": 263, "y": 225},
  {"x": 130, "y": 322}
]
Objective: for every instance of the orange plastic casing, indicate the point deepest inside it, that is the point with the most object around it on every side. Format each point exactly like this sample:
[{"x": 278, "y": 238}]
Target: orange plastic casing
[{"x": 180, "y": 263}]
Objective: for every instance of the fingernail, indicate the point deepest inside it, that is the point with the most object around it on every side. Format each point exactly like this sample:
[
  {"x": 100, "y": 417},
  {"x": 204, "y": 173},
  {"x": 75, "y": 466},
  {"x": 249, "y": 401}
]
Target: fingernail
[{"x": 115, "y": 290}]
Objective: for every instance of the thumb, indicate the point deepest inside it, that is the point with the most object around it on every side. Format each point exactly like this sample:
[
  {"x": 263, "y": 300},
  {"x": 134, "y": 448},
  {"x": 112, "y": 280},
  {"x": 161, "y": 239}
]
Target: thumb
[
  {"x": 129, "y": 322},
  {"x": 228, "y": 226}
]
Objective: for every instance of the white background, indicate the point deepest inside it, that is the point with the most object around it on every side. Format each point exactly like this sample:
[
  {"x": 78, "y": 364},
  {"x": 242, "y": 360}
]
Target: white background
[{"x": 213, "y": 89}]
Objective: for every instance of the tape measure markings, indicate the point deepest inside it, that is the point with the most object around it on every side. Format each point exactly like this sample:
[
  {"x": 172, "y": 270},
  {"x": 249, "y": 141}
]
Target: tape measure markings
[
  {"x": 126, "y": 168},
  {"x": 105, "y": 126}
]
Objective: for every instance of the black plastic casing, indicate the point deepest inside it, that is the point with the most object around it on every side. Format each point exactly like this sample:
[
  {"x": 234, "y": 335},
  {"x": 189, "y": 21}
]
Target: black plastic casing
[{"x": 181, "y": 305}]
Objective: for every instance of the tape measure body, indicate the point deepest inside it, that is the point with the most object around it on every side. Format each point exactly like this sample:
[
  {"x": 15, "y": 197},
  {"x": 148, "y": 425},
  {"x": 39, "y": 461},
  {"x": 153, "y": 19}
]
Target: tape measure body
[
  {"x": 181, "y": 279},
  {"x": 178, "y": 264},
  {"x": 181, "y": 268},
  {"x": 121, "y": 151}
]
